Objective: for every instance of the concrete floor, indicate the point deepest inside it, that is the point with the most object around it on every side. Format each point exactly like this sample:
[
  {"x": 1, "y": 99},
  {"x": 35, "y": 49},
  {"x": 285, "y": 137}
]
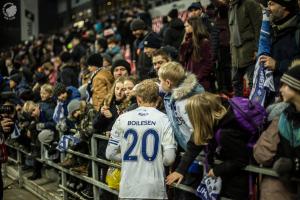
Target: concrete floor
[{"x": 13, "y": 192}]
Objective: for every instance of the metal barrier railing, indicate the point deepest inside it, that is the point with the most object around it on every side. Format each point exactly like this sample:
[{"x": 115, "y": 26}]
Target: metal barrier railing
[{"x": 95, "y": 170}]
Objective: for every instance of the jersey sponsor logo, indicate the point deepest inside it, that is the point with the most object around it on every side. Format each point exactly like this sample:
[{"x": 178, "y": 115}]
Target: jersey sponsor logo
[{"x": 141, "y": 123}]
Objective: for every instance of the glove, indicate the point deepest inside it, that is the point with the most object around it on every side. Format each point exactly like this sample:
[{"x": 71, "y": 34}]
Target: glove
[
  {"x": 40, "y": 126},
  {"x": 62, "y": 126}
]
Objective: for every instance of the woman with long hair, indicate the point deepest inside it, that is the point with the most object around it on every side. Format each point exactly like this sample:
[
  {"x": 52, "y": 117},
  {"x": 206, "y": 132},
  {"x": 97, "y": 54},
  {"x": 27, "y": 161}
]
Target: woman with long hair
[
  {"x": 195, "y": 51},
  {"x": 208, "y": 114}
]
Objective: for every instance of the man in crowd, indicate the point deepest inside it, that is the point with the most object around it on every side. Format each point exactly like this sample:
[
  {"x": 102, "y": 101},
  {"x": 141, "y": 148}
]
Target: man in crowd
[
  {"x": 244, "y": 35},
  {"x": 285, "y": 40}
]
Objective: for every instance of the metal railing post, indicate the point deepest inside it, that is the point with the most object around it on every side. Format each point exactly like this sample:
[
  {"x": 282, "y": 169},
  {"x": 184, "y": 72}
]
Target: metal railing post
[
  {"x": 63, "y": 174},
  {"x": 95, "y": 169},
  {"x": 19, "y": 167}
]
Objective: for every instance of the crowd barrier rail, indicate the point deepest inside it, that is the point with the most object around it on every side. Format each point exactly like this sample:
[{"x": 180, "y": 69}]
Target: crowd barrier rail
[{"x": 98, "y": 185}]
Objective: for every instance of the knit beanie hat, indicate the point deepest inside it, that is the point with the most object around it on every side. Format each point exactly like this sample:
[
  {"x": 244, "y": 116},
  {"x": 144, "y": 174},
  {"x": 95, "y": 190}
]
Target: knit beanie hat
[
  {"x": 291, "y": 5},
  {"x": 173, "y": 13},
  {"x": 152, "y": 41},
  {"x": 73, "y": 106},
  {"x": 195, "y": 5},
  {"x": 17, "y": 77},
  {"x": 292, "y": 76},
  {"x": 137, "y": 24},
  {"x": 121, "y": 62},
  {"x": 95, "y": 60},
  {"x": 59, "y": 89}
]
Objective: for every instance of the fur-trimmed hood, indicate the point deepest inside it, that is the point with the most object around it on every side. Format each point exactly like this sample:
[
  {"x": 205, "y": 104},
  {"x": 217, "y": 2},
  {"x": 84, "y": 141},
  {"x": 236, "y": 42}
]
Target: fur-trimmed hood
[{"x": 187, "y": 88}]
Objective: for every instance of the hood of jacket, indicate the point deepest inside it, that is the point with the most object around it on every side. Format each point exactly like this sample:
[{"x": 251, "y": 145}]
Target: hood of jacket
[{"x": 187, "y": 88}]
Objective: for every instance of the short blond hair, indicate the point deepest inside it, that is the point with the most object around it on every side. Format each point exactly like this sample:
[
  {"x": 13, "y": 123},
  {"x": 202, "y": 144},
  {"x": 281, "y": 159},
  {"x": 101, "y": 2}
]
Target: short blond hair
[
  {"x": 172, "y": 71},
  {"x": 29, "y": 106},
  {"x": 48, "y": 88},
  {"x": 148, "y": 90}
]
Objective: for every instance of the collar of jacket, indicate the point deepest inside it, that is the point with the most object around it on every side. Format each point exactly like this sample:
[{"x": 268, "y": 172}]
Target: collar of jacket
[
  {"x": 291, "y": 23},
  {"x": 186, "y": 87}
]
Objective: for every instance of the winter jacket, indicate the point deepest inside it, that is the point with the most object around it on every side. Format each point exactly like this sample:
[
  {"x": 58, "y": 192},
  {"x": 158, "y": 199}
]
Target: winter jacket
[
  {"x": 174, "y": 33},
  {"x": 85, "y": 127},
  {"x": 264, "y": 153},
  {"x": 115, "y": 53},
  {"x": 289, "y": 132},
  {"x": 232, "y": 151},
  {"x": 48, "y": 107},
  {"x": 175, "y": 107},
  {"x": 68, "y": 75},
  {"x": 283, "y": 35},
  {"x": 202, "y": 67},
  {"x": 143, "y": 62},
  {"x": 249, "y": 17},
  {"x": 73, "y": 93},
  {"x": 103, "y": 124},
  {"x": 99, "y": 86},
  {"x": 46, "y": 112}
]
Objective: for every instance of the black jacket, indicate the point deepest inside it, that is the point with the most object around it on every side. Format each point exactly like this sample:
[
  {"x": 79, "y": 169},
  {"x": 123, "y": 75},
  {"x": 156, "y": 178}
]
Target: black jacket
[
  {"x": 284, "y": 48},
  {"x": 233, "y": 154},
  {"x": 174, "y": 33}
]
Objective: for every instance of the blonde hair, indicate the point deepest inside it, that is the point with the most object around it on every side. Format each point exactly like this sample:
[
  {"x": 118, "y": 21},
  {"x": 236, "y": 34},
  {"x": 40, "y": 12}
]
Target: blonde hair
[
  {"x": 204, "y": 111},
  {"x": 148, "y": 91},
  {"x": 29, "y": 106},
  {"x": 48, "y": 88},
  {"x": 172, "y": 71}
]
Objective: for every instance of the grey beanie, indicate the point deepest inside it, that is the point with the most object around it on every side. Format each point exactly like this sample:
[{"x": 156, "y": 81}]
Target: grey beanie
[{"x": 73, "y": 106}]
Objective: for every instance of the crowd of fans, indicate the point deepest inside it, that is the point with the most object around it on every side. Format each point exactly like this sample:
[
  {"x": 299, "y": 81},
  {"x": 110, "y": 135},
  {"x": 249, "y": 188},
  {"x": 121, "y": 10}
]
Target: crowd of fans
[{"x": 71, "y": 85}]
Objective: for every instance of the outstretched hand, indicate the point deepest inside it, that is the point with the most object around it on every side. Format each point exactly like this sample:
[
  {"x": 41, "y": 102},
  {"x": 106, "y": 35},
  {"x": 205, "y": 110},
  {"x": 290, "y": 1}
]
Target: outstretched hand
[{"x": 175, "y": 176}]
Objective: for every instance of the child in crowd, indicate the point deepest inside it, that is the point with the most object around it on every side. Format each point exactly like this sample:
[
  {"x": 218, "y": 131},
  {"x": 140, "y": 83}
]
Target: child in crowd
[
  {"x": 288, "y": 153},
  {"x": 178, "y": 86},
  {"x": 143, "y": 140},
  {"x": 113, "y": 105},
  {"x": 42, "y": 130},
  {"x": 208, "y": 113},
  {"x": 47, "y": 102}
]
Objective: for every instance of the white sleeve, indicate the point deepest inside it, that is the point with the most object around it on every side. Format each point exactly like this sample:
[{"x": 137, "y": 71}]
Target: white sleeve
[
  {"x": 113, "y": 147},
  {"x": 113, "y": 153},
  {"x": 169, "y": 156},
  {"x": 169, "y": 144}
]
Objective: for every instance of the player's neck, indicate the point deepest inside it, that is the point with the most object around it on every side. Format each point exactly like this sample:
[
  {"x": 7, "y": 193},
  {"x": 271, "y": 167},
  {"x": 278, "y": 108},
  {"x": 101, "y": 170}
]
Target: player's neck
[{"x": 153, "y": 105}]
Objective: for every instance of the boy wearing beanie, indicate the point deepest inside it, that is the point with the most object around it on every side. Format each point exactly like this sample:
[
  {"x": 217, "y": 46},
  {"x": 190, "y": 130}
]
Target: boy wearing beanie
[
  {"x": 100, "y": 83},
  {"x": 288, "y": 164}
]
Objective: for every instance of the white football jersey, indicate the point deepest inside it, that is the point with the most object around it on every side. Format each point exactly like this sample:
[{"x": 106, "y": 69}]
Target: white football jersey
[{"x": 142, "y": 135}]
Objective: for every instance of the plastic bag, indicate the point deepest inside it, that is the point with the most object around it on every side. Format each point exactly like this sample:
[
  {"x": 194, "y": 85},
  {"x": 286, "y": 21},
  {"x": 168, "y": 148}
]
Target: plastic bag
[{"x": 113, "y": 178}]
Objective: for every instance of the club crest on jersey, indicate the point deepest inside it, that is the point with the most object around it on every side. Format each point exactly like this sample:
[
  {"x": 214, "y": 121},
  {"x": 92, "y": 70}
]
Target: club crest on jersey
[{"x": 143, "y": 114}]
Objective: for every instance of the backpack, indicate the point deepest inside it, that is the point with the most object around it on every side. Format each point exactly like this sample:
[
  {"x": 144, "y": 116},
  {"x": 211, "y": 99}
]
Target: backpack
[{"x": 251, "y": 117}]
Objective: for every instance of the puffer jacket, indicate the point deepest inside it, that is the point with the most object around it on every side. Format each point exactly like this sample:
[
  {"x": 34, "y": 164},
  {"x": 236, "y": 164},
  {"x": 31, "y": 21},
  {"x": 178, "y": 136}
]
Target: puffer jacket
[{"x": 175, "y": 107}]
